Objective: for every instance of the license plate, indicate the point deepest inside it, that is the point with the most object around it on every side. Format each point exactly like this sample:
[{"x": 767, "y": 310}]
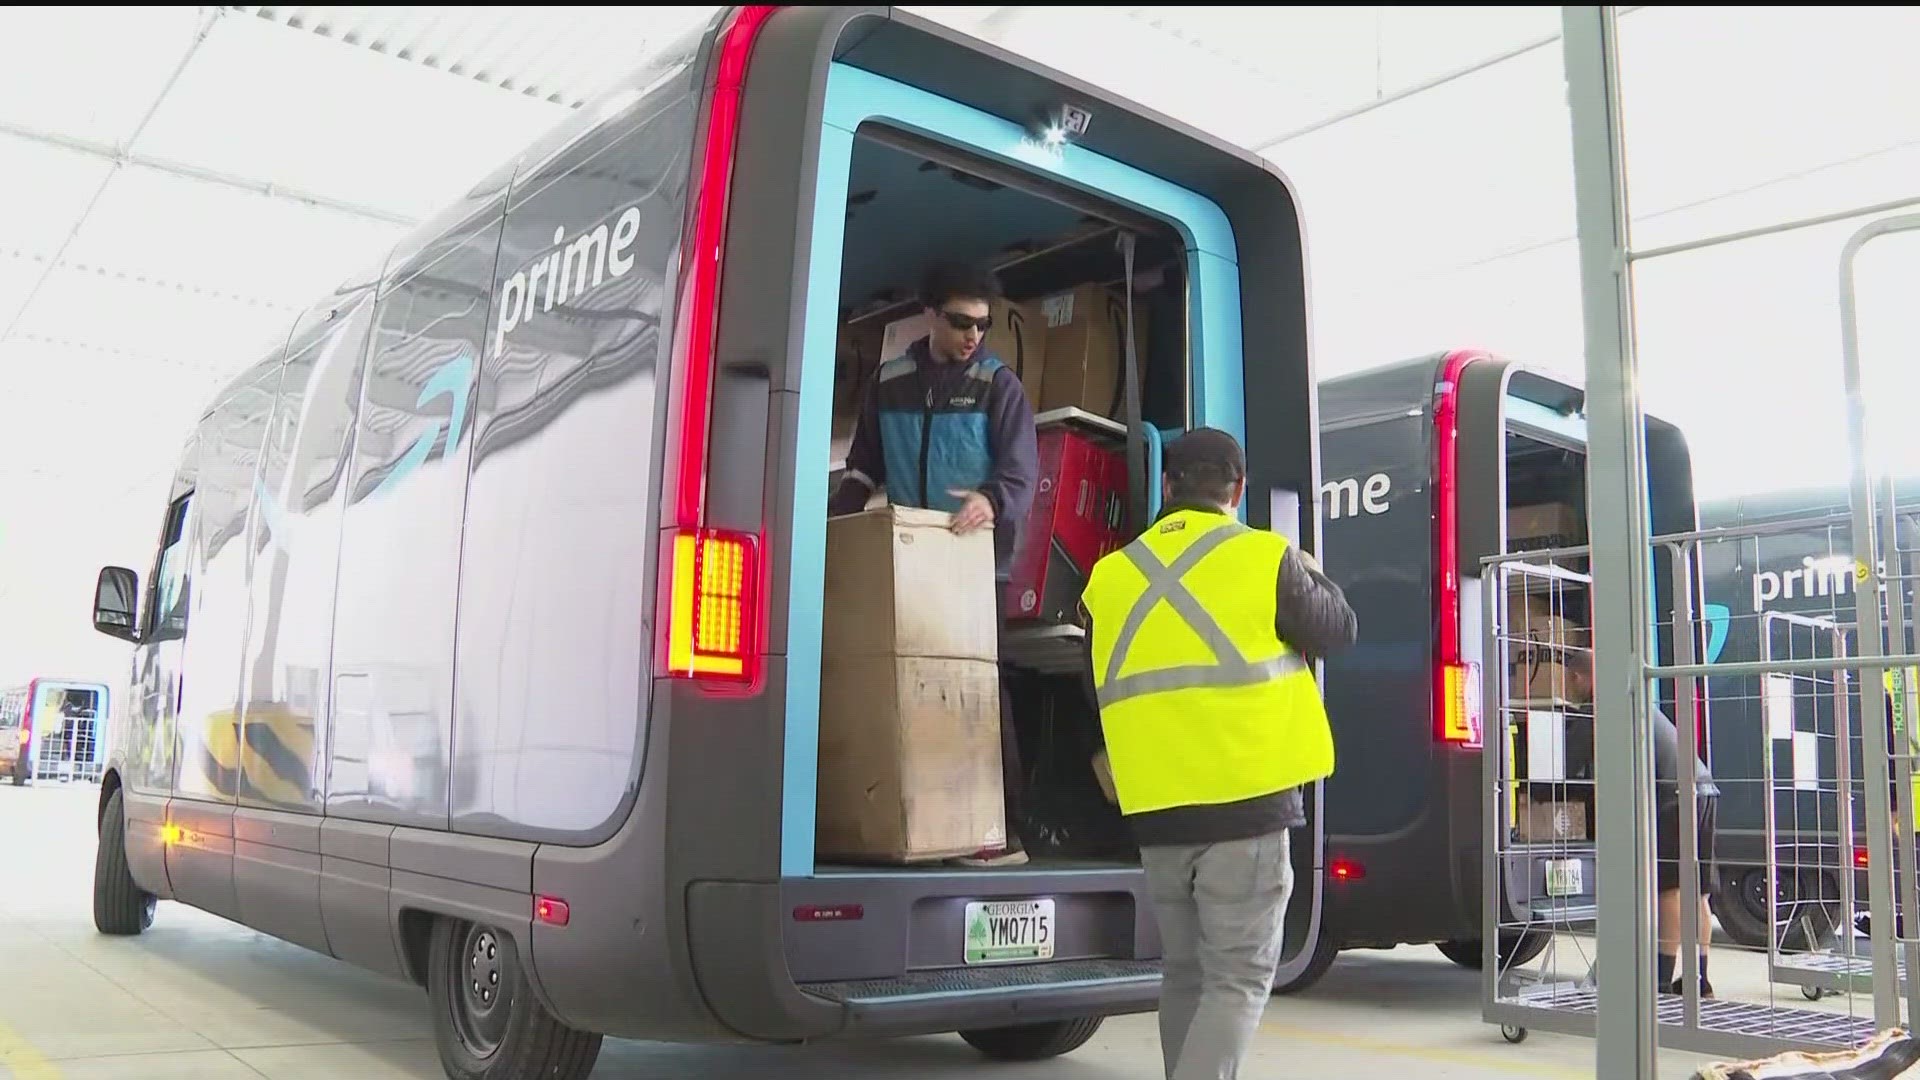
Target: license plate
[
  {"x": 1003, "y": 931},
  {"x": 1563, "y": 877}
]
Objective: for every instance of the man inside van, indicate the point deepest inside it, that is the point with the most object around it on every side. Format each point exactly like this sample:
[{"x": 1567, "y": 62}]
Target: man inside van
[
  {"x": 947, "y": 427},
  {"x": 1202, "y": 633}
]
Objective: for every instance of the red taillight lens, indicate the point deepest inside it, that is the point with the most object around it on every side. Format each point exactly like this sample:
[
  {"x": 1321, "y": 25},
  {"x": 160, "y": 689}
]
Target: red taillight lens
[
  {"x": 1460, "y": 704},
  {"x": 1860, "y": 858},
  {"x": 551, "y": 910},
  {"x": 713, "y": 625},
  {"x": 1346, "y": 870}
]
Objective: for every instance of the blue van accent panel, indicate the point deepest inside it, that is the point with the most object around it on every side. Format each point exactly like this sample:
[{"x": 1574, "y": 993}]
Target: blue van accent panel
[
  {"x": 806, "y": 608},
  {"x": 1156, "y": 451},
  {"x": 1719, "y": 620},
  {"x": 853, "y": 98}
]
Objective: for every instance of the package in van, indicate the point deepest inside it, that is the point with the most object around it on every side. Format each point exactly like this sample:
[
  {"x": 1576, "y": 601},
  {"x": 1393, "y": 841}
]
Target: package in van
[
  {"x": 909, "y": 766},
  {"x": 1019, "y": 339},
  {"x": 900, "y": 334},
  {"x": 1078, "y": 516},
  {"x": 1086, "y": 338},
  {"x": 1545, "y": 525}
]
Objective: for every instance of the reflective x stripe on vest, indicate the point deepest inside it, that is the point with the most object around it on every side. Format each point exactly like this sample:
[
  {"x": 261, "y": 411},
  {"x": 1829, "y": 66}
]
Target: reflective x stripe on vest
[
  {"x": 1232, "y": 668},
  {"x": 1201, "y": 701}
]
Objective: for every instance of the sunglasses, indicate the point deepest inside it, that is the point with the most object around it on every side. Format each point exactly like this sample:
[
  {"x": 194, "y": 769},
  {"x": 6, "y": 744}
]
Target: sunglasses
[{"x": 967, "y": 322}]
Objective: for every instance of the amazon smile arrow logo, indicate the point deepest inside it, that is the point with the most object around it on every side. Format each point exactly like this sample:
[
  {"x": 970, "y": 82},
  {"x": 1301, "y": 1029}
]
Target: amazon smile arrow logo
[{"x": 454, "y": 380}]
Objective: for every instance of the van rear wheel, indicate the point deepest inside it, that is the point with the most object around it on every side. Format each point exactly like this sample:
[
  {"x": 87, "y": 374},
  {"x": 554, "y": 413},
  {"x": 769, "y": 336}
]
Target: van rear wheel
[
  {"x": 486, "y": 1021},
  {"x": 1033, "y": 1042},
  {"x": 120, "y": 906}
]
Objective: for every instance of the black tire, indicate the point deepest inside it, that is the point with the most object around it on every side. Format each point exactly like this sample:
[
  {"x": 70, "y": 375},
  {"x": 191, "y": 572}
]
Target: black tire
[
  {"x": 120, "y": 907},
  {"x": 1516, "y": 948},
  {"x": 1740, "y": 905},
  {"x": 1033, "y": 1042},
  {"x": 20, "y": 770},
  {"x": 487, "y": 1023},
  {"x": 1325, "y": 952}
]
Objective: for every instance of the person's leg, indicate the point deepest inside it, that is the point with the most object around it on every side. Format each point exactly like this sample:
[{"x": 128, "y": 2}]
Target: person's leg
[
  {"x": 1666, "y": 844},
  {"x": 1012, "y": 777},
  {"x": 1170, "y": 883},
  {"x": 1241, "y": 889}
]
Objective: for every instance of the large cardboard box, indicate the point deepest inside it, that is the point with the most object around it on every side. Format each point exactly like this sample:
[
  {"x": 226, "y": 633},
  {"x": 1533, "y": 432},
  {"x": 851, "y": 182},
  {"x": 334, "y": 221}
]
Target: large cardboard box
[
  {"x": 1545, "y": 525},
  {"x": 909, "y": 766},
  {"x": 1086, "y": 329},
  {"x": 900, "y": 583},
  {"x": 909, "y": 759}
]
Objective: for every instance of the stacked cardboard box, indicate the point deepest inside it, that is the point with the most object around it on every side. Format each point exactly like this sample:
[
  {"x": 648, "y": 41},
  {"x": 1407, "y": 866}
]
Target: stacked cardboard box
[
  {"x": 1085, "y": 347},
  {"x": 910, "y": 697},
  {"x": 1541, "y": 643},
  {"x": 1545, "y": 820}
]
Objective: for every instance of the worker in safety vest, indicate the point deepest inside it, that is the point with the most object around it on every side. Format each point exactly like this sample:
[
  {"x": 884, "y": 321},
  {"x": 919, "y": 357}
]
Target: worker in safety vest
[{"x": 1201, "y": 634}]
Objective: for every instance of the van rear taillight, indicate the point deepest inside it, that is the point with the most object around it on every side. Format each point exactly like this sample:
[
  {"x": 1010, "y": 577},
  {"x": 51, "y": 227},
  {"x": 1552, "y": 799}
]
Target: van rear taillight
[
  {"x": 713, "y": 627},
  {"x": 1460, "y": 703},
  {"x": 711, "y": 617}
]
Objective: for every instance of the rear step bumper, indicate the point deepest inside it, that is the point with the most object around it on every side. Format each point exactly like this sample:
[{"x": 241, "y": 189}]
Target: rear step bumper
[{"x": 949, "y": 1000}]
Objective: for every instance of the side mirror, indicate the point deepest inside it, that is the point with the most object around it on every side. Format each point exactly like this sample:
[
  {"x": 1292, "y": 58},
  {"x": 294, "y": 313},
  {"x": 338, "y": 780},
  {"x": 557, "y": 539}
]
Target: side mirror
[{"x": 115, "y": 603}]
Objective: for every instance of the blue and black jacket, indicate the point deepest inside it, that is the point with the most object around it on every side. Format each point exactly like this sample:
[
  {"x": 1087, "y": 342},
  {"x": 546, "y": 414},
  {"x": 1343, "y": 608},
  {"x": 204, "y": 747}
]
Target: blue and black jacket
[{"x": 927, "y": 428}]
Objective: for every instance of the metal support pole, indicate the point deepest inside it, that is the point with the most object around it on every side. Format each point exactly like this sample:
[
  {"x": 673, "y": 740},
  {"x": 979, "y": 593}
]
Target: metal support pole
[
  {"x": 1617, "y": 513},
  {"x": 1872, "y": 643}
]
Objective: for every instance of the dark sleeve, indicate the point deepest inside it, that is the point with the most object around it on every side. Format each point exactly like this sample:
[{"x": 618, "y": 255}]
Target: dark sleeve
[
  {"x": 1087, "y": 687},
  {"x": 866, "y": 465},
  {"x": 1015, "y": 449},
  {"x": 1312, "y": 614}
]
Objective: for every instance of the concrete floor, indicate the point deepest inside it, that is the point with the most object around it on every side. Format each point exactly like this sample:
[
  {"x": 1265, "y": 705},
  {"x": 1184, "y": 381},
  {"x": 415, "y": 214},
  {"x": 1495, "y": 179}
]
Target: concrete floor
[{"x": 199, "y": 998}]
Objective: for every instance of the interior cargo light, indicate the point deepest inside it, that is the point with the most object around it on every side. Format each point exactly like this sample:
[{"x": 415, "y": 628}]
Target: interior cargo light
[
  {"x": 713, "y": 623},
  {"x": 829, "y": 913},
  {"x": 1346, "y": 870},
  {"x": 1460, "y": 716},
  {"x": 710, "y": 632},
  {"x": 551, "y": 910}
]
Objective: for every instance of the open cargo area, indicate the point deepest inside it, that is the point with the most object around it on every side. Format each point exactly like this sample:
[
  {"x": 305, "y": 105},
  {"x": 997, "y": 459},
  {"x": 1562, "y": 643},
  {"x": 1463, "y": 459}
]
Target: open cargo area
[{"x": 921, "y": 661}]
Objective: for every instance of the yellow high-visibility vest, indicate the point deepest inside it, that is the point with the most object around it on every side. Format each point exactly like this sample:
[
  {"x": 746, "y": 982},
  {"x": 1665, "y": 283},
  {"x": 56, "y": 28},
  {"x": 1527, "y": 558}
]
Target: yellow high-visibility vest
[{"x": 1201, "y": 701}]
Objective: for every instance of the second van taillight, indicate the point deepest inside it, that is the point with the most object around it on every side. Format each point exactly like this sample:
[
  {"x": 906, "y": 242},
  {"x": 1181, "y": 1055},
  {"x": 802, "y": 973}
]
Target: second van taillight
[
  {"x": 1460, "y": 707},
  {"x": 1456, "y": 683}
]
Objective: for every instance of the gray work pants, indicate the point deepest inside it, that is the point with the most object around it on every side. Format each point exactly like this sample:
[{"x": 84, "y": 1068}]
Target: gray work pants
[{"x": 1221, "y": 909}]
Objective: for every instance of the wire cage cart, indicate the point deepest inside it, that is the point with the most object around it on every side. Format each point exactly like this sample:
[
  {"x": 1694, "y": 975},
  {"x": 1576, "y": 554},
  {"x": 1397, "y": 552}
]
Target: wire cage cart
[
  {"x": 67, "y": 731},
  {"x": 1539, "y": 822}
]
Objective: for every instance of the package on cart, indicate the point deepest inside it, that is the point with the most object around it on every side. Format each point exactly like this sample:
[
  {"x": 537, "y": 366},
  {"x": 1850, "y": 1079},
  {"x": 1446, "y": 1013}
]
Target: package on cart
[
  {"x": 909, "y": 766},
  {"x": 1550, "y": 820},
  {"x": 1078, "y": 515}
]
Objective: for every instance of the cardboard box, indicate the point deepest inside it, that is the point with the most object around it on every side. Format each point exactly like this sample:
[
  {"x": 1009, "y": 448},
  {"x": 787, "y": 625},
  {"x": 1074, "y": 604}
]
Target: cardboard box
[
  {"x": 899, "y": 583},
  {"x": 909, "y": 765},
  {"x": 1019, "y": 339},
  {"x": 909, "y": 759},
  {"x": 1545, "y": 525},
  {"x": 1084, "y": 346},
  {"x": 1535, "y": 678},
  {"x": 1550, "y": 821},
  {"x": 902, "y": 333}
]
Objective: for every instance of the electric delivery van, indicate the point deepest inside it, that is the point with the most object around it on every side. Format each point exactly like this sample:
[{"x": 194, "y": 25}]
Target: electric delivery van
[
  {"x": 481, "y": 645},
  {"x": 1427, "y": 464}
]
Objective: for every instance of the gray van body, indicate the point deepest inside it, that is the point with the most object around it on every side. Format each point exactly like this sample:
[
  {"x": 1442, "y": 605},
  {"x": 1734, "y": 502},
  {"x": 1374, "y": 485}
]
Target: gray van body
[{"x": 397, "y": 652}]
